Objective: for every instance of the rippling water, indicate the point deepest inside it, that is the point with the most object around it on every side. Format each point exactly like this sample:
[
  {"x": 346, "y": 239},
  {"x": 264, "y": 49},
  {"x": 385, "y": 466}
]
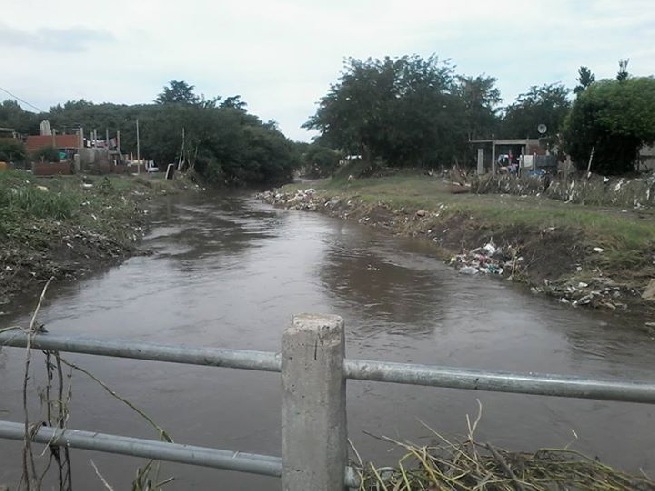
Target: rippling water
[{"x": 230, "y": 272}]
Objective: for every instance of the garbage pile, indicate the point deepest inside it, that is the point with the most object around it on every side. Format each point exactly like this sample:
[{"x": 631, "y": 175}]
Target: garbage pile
[
  {"x": 488, "y": 259},
  {"x": 597, "y": 292},
  {"x": 302, "y": 199}
]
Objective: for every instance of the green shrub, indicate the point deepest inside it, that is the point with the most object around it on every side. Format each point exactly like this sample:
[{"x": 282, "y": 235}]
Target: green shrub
[{"x": 48, "y": 154}]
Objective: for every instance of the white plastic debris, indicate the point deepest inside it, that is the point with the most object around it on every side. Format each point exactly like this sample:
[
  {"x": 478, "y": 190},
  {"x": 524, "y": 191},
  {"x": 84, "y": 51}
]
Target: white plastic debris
[{"x": 490, "y": 248}]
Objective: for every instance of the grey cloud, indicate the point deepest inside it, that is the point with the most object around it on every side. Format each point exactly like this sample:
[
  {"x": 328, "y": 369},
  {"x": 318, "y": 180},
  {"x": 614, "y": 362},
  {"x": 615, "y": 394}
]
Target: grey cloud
[{"x": 73, "y": 39}]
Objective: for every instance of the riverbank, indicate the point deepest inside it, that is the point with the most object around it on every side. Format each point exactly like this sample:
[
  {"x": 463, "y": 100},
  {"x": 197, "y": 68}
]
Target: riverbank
[
  {"x": 66, "y": 226},
  {"x": 582, "y": 255}
]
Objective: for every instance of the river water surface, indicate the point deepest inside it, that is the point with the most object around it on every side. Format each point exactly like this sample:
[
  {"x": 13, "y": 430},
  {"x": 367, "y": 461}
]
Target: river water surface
[{"x": 230, "y": 272}]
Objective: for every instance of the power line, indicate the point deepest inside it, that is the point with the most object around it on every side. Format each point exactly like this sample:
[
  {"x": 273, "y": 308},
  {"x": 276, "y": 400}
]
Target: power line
[{"x": 21, "y": 100}]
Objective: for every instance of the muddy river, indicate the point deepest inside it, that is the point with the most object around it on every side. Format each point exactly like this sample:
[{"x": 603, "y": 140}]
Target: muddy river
[{"x": 230, "y": 272}]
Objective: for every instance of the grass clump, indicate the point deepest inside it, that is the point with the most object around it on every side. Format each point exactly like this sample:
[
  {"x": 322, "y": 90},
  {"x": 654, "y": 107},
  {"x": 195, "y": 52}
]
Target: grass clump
[
  {"x": 21, "y": 195},
  {"x": 470, "y": 465}
]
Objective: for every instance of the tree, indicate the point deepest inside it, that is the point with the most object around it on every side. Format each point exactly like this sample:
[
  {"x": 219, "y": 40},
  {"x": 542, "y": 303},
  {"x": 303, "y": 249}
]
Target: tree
[
  {"x": 481, "y": 98},
  {"x": 320, "y": 161},
  {"x": 223, "y": 143},
  {"x": 12, "y": 150},
  {"x": 352, "y": 115},
  {"x": 585, "y": 79},
  {"x": 615, "y": 118},
  {"x": 15, "y": 117},
  {"x": 548, "y": 104},
  {"x": 402, "y": 112},
  {"x": 623, "y": 74},
  {"x": 47, "y": 154},
  {"x": 178, "y": 92},
  {"x": 233, "y": 102}
]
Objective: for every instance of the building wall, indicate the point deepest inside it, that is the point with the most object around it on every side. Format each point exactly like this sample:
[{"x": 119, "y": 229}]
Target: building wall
[
  {"x": 37, "y": 142},
  {"x": 51, "y": 169}
]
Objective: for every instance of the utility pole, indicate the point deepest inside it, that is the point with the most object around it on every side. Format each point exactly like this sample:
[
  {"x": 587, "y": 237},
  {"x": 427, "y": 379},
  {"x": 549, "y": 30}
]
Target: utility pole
[
  {"x": 179, "y": 163},
  {"x": 138, "y": 148}
]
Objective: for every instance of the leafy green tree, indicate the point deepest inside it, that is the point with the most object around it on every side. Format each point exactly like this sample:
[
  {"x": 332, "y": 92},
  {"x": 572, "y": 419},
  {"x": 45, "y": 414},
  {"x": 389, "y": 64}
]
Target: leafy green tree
[
  {"x": 403, "y": 112},
  {"x": 178, "y": 91},
  {"x": 547, "y": 104},
  {"x": 615, "y": 118},
  {"x": 233, "y": 102},
  {"x": 352, "y": 115},
  {"x": 12, "y": 150},
  {"x": 15, "y": 117},
  {"x": 48, "y": 154},
  {"x": 73, "y": 115},
  {"x": 585, "y": 79},
  {"x": 320, "y": 161},
  {"x": 623, "y": 74},
  {"x": 481, "y": 98}
]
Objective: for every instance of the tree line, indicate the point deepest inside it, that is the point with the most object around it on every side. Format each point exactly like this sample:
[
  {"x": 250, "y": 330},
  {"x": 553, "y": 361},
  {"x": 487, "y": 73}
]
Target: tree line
[
  {"x": 407, "y": 111},
  {"x": 217, "y": 138},
  {"x": 411, "y": 111}
]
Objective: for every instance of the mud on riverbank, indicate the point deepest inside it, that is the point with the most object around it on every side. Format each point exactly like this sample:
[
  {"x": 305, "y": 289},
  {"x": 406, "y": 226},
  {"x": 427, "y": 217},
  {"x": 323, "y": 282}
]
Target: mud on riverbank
[
  {"x": 559, "y": 261},
  {"x": 66, "y": 227}
]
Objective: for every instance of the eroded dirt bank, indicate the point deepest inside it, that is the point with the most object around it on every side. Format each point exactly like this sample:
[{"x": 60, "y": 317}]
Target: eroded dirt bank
[
  {"x": 561, "y": 262},
  {"x": 66, "y": 227}
]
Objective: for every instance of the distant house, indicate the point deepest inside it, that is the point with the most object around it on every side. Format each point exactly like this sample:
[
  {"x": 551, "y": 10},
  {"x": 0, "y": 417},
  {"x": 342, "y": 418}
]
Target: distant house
[{"x": 489, "y": 152}]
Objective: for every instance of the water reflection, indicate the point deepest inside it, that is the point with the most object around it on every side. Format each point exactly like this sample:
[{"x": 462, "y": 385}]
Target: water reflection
[
  {"x": 230, "y": 272},
  {"x": 222, "y": 231},
  {"x": 367, "y": 279}
]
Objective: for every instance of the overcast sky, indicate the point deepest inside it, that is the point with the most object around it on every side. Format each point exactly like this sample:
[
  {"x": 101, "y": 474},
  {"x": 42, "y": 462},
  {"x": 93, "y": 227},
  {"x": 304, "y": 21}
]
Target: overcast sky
[{"x": 282, "y": 56}]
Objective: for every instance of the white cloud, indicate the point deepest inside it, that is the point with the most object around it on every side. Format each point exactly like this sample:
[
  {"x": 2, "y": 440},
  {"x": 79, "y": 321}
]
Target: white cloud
[{"x": 281, "y": 56}]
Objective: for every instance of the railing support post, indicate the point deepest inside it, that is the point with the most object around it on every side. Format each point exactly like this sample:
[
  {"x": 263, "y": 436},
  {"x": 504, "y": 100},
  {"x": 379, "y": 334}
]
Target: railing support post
[{"x": 314, "y": 436}]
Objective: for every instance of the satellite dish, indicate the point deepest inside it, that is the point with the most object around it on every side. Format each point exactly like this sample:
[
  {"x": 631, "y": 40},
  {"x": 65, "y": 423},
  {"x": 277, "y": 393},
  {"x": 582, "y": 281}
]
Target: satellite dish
[{"x": 542, "y": 128}]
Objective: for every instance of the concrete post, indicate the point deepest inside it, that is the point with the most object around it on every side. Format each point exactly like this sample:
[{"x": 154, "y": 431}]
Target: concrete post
[
  {"x": 314, "y": 436},
  {"x": 480, "y": 161},
  {"x": 493, "y": 157}
]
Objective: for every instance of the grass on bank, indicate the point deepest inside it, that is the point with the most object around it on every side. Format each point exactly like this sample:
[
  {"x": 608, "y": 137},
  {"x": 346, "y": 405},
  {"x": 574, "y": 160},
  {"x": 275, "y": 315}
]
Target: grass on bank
[
  {"x": 610, "y": 227},
  {"x": 95, "y": 202}
]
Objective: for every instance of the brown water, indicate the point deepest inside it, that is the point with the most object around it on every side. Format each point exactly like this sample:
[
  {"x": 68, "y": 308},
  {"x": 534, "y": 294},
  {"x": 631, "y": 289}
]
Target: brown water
[{"x": 230, "y": 272}]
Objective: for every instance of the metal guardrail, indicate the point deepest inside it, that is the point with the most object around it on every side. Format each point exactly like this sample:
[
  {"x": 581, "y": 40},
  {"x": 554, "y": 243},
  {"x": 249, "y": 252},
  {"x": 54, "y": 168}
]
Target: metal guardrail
[
  {"x": 496, "y": 381},
  {"x": 149, "y": 449},
  {"x": 212, "y": 357},
  {"x": 313, "y": 372},
  {"x": 400, "y": 373}
]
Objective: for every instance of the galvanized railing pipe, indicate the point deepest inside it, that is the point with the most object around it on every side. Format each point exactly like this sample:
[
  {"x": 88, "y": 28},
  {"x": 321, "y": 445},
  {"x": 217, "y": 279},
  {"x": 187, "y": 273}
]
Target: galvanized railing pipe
[
  {"x": 403, "y": 373},
  {"x": 150, "y": 449},
  {"x": 215, "y": 357},
  {"x": 524, "y": 383},
  {"x": 265, "y": 465}
]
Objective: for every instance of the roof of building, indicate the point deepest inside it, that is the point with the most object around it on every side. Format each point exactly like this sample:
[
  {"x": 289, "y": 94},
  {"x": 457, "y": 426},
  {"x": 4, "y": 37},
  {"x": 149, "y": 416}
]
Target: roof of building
[{"x": 37, "y": 142}]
